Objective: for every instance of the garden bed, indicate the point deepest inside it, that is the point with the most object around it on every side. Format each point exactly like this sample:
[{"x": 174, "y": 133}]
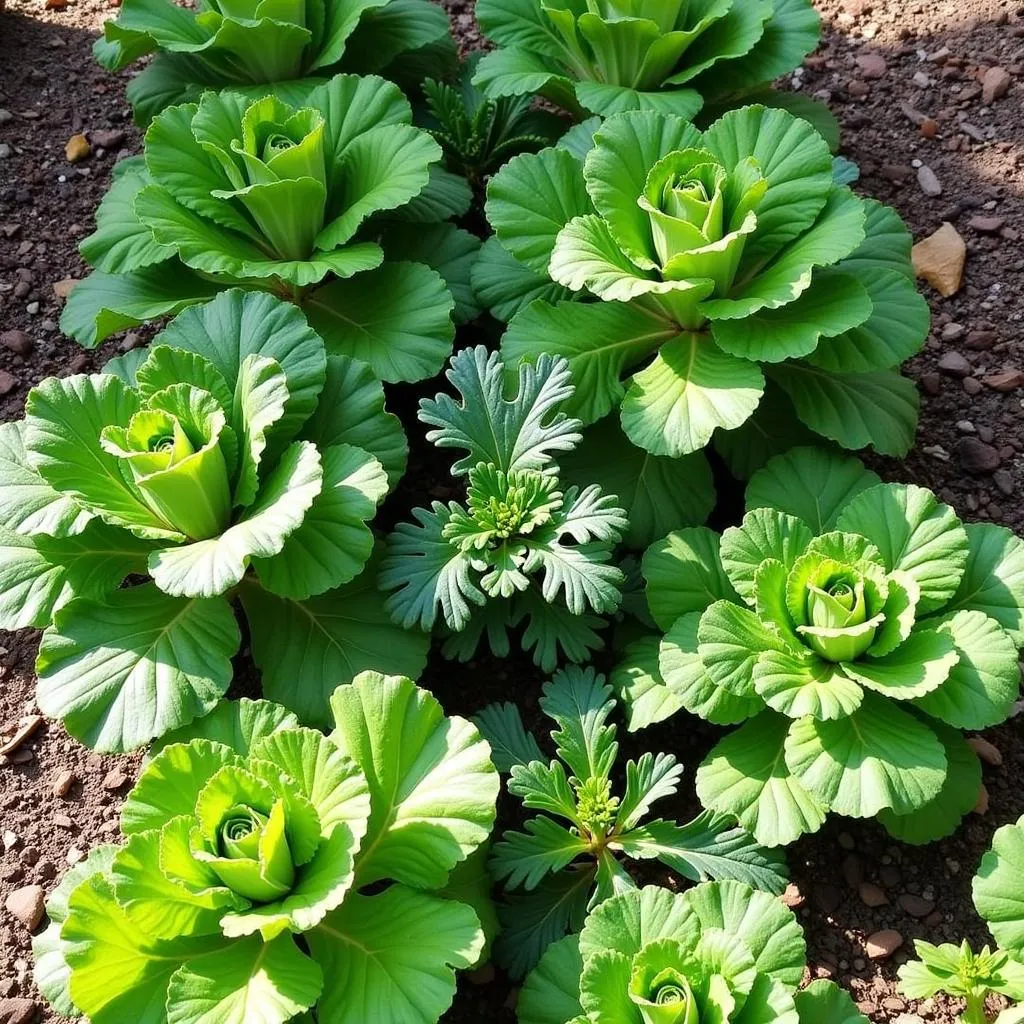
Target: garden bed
[{"x": 884, "y": 66}]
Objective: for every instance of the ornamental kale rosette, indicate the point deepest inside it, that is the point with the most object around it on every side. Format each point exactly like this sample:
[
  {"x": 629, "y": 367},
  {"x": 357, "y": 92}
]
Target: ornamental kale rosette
[
  {"x": 856, "y": 628},
  {"x": 267, "y": 864},
  {"x": 607, "y": 56},
  {"x": 286, "y": 194},
  {"x": 720, "y": 953},
  {"x": 523, "y": 549},
  {"x": 708, "y": 262},
  {"x": 255, "y": 42},
  {"x": 231, "y": 460}
]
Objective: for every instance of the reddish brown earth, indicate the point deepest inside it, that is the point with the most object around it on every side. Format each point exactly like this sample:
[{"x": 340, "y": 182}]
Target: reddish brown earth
[{"x": 884, "y": 67}]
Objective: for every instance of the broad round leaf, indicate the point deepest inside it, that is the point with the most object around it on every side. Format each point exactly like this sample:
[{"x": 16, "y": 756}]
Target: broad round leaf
[
  {"x": 551, "y": 992},
  {"x": 225, "y": 986},
  {"x": 531, "y": 199},
  {"x": 391, "y": 956},
  {"x": 879, "y": 757},
  {"x": 993, "y": 580},
  {"x": 104, "y": 304},
  {"x": 919, "y": 666},
  {"x": 895, "y": 330},
  {"x": 333, "y": 542},
  {"x": 432, "y": 795},
  {"x": 39, "y": 575},
  {"x": 684, "y": 574},
  {"x": 237, "y": 724},
  {"x": 856, "y": 410},
  {"x": 796, "y": 162},
  {"x": 799, "y": 685},
  {"x": 170, "y": 784},
  {"x": 505, "y": 286},
  {"x": 682, "y": 679},
  {"x": 746, "y": 775},
  {"x": 118, "y": 971},
  {"x": 943, "y": 815},
  {"x": 998, "y": 892},
  {"x": 834, "y": 303},
  {"x": 616, "y": 169},
  {"x": 28, "y": 504},
  {"x": 691, "y": 390},
  {"x": 812, "y": 484},
  {"x": 824, "y": 1002},
  {"x": 627, "y": 922},
  {"x": 766, "y": 927},
  {"x": 305, "y": 649},
  {"x": 351, "y": 411},
  {"x": 122, "y": 671},
  {"x": 984, "y": 684},
  {"x": 397, "y": 319}
]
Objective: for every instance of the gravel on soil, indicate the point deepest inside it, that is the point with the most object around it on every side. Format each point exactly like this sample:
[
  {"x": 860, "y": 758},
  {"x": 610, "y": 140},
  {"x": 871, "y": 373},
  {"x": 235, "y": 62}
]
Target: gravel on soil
[{"x": 930, "y": 98}]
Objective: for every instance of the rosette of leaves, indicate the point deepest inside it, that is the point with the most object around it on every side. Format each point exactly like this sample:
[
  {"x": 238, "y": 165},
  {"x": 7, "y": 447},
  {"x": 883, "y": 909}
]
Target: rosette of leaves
[
  {"x": 607, "y": 56},
  {"x": 856, "y": 628},
  {"x": 285, "y": 193},
  {"x": 479, "y": 134},
  {"x": 720, "y": 953},
  {"x": 220, "y": 45},
  {"x": 711, "y": 265},
  {"x": 522, "y": 547},
  {"x": 268, "y": 865},
  {"x": 957, "y": 970},
  {"x": 232, "y": 459},
  {"x": 569, "y": 858}
]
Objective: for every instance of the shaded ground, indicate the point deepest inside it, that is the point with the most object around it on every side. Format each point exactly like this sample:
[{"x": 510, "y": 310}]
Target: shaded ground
[{"x": 883, "y": 67}]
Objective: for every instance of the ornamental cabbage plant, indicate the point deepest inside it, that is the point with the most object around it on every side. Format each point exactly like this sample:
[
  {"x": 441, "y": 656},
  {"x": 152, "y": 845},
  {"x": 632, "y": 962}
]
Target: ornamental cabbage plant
[
  {"x": 607, "y": 56},
  {"x": 231, "y": 460},
  {"x": 957, "y": 970},
  {"x": 522, "y": 547},
  {"x": 268, "y": 865},
  {"x": 721, "y": 953},
  {"x": 855, "y": 628},
  {"x": 554, "y": 872},
  {"x": 284, "y": 194},
  {"x": 253, "y": 43},
  {"x": 707, "y": 267}
]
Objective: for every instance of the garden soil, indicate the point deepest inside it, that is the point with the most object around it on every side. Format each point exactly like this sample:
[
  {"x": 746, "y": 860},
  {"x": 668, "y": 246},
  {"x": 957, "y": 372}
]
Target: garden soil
[{"x": 930, "y": 98}]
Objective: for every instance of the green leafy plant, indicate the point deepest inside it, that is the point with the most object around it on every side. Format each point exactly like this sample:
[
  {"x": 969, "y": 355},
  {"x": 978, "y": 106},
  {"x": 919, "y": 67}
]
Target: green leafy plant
[
  {"x": 555, "y": 872},
  {"x": 285, "y": 196},
  {"x": 855, "y": 628},
  {"x": 269, "y": 865},
  {"x": 479, "y": 134},
  {"x": 718, "y": 259},
  {"x": 607, "y": 56},
  {"x": 964, "y": 974},
  {"x": 233, "y": 459},
  {"x": 253, "y": 43},
  {"x": 522, "y": 547},
  {"x": 960, "y": 972},
  {"x": 721, "y": 953}
]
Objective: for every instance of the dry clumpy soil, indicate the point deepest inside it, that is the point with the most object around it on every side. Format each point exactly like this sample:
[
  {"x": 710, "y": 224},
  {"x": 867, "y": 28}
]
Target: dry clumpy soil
[{"x": 930, "y": 98}]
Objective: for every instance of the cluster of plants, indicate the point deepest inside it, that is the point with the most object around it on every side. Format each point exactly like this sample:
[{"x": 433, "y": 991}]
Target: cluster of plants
[{"x": 665, "y": 280}]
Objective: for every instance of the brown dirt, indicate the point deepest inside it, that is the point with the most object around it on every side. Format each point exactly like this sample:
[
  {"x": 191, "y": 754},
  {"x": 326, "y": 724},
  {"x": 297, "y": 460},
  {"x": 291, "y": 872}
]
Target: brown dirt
[{"x": 934, "y": 54}]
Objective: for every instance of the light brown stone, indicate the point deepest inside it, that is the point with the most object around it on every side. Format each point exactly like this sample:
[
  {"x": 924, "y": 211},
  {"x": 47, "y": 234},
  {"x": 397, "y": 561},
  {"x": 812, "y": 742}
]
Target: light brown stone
[{"x": 939, "y": 259}]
